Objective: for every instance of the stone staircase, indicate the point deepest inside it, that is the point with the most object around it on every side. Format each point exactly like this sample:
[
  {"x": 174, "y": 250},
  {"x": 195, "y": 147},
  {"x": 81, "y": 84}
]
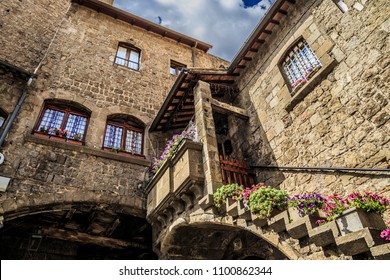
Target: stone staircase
[{"x": 363, "y": 240}]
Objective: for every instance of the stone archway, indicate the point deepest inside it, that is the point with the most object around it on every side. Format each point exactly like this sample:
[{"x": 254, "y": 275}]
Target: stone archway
[
  {"x": 216, "y": 240},
  {"x": 77, "y": 230}
]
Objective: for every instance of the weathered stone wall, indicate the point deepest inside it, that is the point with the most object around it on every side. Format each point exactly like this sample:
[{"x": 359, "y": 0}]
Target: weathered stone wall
[
  {"x": 343, "y": 121},
  {"x": 46, "y": 172},
  {"x": 79, "y": 67},
  {"x": 26, "y": 29}
]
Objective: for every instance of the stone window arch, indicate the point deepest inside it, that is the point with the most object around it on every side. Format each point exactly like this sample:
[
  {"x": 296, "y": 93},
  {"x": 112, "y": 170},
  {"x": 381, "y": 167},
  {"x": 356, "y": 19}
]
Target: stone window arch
[
  {"x": 298, "y": 64},
  {"x": 124, "y": 133},
  {"x": 64, "y": 119}
]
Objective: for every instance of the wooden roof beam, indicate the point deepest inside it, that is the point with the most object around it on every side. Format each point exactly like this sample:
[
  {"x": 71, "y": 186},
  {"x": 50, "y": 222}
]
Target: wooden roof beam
[
  {"x": 226, "y": 108},
  {"x": 85, "y": 238}
]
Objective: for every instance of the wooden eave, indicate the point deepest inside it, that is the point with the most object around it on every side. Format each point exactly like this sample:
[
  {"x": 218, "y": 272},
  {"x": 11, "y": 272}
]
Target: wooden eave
[
  {"x": 258, "y": 37},
  {"x": 178, "y": 108},
  {"x": 143, "y": 23}
]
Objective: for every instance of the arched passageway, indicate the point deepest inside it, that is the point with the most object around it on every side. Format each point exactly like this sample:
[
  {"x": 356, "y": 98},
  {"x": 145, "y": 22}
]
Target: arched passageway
[
  {"x": 79, "y": 232},
  {"x": 213, "y": 241}
]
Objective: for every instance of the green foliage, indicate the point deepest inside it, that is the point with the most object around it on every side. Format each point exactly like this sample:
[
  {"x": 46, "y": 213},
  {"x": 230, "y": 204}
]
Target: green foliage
[
  {"x": 265, "y": 199},
  {"x": 232, "y": 191}
]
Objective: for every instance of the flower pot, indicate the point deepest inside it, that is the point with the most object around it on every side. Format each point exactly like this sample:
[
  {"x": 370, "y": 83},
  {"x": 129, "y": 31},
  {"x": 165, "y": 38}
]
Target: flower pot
[
  {"x": 325, "y": 234},
  {"x": 355, "y": 219},
  {"x": 243, "y": 212},
  {"x": 278, "y": 222},
  {"x": 300, "y": 226},
  {"x": 231, "y": 207},
  {"x": 259, "y": 222}
]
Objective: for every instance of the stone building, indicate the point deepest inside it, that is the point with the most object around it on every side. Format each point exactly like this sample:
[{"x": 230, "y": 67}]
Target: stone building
[{"x": 306, "y": 93}]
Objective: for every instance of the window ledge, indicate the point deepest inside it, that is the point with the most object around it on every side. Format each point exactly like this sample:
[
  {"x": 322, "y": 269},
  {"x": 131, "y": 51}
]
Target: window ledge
[
  {"x": 127, "y": 68},
  {"x": 86, "y": 150},
  {"x": 311, "y": 84}
]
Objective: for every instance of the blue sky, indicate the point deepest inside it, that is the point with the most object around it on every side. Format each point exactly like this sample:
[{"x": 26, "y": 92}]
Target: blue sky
[{"x": 225, "y": 24}]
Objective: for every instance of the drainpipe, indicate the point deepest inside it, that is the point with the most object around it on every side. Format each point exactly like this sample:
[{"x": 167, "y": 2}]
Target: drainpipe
[
  {"x": 25, "y": 89},
  {"x": 15, "y": 111},
  {"x": 194, "y": 55}
]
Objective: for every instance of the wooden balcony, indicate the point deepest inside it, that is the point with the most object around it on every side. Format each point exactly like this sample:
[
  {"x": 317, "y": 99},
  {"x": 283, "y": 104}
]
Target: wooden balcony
[{"x": 177, "y": 183}]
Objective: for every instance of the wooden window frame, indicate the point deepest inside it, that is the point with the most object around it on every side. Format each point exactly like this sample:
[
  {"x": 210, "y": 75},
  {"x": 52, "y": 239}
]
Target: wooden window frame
[
  {"x": 67, "y": 110},
  {"x": 129, "y": 48},
  {"x": 177, "y": 66},
  {"x": 125, "y": 127}
]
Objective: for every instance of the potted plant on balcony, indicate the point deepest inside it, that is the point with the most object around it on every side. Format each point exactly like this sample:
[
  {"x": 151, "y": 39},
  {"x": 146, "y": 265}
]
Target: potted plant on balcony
[
  {"x": 77, "y": 139},
  {"x": 170, "y": 149},
  {"x": 304, "y": 210},
  {"x": 58, "y": 134},
  {"x": 364, "y": 211},
  {"x": 42, "y": 132},
  {"x": 225, "y": 192},
  {"x": 304, "y": 204},
  {"x": 385, "y": 234},
  {"x": 264, "y": 200}
]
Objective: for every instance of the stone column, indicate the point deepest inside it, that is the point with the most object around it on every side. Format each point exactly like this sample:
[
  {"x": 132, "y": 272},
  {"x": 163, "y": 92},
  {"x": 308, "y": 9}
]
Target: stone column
[{"x": 206, "y": 135}]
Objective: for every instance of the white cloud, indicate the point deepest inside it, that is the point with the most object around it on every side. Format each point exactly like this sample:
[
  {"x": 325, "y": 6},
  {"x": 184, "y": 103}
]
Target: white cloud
[{"x": 225, "y": 24}]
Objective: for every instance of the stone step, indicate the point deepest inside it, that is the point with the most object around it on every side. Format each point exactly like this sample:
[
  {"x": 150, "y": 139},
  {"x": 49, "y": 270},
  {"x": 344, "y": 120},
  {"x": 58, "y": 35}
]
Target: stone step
[
  {"x": 358, "y": 242},
  {"x": 350, "y": 244},
  {"x": 278, "y": 222},
  {"x": 324, "y": 235},
  {"x": 301, "y": 227},
  {"x": 381, "y": 252}
]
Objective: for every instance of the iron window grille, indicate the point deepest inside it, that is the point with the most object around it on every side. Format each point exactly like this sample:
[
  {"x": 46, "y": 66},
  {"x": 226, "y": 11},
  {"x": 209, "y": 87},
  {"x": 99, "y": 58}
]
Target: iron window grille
[
  {"x": 299, "y": 65},
  {"x": 3, "y": 118},
  {"x": 122, "y": 135},
  {"x": 63, "y": 121},
  {"x": 128, "y": 56},
  {"x": 176, "y": 67}
]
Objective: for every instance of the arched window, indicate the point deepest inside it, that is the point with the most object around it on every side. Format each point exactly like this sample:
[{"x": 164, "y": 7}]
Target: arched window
[
  {"x": 299, "y": 64},
  {"x": 3, "y": 117},
  {"x": 124, "y": 133},
  {"x": 67, "y": 120}
]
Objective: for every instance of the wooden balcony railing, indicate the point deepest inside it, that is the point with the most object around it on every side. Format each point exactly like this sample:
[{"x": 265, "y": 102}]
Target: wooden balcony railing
[{"x": 235, "y": 172}]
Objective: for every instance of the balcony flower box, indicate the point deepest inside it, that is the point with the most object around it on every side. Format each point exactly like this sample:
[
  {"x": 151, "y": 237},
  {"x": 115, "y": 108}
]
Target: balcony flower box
[
  {"x": 74, "y": 142},
  {"x": 42, "y": 135},
  {"x": 355, "y": 219}
]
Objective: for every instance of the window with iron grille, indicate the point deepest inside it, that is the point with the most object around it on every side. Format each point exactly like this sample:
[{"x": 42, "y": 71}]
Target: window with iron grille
[
  {"x": 176, "y": 67},
  {"x": 299, "y": 65},
  {"x": 3, "y": 117},
  {"x": 128, "y": 56},
  {"x": 124, "y": 135},
  {"x": 63, "y": 121}
]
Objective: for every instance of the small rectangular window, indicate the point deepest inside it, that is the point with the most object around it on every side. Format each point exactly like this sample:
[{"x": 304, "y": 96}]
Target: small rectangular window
[
  {"x": 176, "y": 67},
  {"x": 299, "y": 65},
  {"x": 128, "y": 56}
]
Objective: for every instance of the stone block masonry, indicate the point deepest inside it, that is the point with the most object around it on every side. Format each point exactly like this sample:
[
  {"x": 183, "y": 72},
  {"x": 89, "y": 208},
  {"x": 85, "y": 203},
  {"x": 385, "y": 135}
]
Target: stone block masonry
[
  {"x": 80, "y": 68},
  {"x": 343, "y": 119}
]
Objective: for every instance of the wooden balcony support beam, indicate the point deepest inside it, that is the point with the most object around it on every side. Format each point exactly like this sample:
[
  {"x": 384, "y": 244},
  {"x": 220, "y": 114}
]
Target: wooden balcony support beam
[{"x": 221, "y": 107}]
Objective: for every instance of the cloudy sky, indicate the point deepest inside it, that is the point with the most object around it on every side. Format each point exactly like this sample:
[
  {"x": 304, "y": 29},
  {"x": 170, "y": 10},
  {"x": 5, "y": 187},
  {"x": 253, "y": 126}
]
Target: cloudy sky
[{"x": 225, "y": 24}]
